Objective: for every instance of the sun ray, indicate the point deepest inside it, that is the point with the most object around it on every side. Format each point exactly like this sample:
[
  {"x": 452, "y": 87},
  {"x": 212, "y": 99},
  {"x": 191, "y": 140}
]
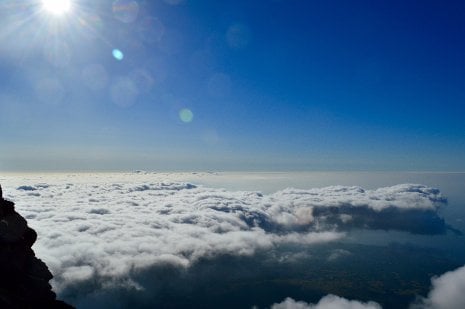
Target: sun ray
[{"x": 57, "y": 7}]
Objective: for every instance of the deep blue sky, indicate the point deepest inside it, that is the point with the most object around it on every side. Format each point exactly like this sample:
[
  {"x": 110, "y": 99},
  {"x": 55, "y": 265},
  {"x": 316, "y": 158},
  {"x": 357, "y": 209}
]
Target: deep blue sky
[{"x": 260, "y": 85}]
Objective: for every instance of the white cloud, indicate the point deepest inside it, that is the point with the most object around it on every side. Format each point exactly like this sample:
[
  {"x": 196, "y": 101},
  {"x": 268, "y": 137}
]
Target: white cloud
[
  {"x": 337, "y": 254},
  {"x": 403, "y": 196},
  {"x": 327, "y": 302},
  {"x": 112, "y": 225},
  {"x": 447, "y": 292}
]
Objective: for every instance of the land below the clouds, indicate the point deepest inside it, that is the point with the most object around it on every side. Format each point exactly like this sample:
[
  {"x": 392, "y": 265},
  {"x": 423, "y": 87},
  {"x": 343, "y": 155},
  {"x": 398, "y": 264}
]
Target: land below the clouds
[{"x": 393, "y": 275}]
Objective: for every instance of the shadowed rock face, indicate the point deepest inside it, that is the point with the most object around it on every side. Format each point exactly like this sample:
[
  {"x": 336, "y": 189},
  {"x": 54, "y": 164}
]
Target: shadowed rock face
[{"x": 24, "y": 278}]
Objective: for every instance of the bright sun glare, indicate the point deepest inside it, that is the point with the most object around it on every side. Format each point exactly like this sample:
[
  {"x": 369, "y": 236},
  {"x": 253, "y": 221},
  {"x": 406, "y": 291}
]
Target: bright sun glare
[{"x": 57, "y": 7}]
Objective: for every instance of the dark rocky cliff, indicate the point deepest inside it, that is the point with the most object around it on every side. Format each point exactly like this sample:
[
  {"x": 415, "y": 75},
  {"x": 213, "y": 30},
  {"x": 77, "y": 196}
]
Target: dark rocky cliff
[{"x": 24, "y": 279}]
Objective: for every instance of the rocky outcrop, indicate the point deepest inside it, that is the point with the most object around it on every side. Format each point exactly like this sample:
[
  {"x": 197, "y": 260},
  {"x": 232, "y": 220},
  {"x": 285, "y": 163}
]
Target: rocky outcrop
[{"x": 24, "y": 279}]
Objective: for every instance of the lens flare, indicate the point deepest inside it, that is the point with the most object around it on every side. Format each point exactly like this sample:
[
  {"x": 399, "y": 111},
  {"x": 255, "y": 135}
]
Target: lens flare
[
  {"x": 186, "y": 115},
  {"x": 126, "y": 11},
  {"x": 117, "y": 54}
]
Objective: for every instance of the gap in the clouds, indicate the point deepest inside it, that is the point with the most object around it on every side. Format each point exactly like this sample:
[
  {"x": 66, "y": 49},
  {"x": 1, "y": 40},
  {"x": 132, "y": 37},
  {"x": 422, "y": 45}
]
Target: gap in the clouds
[{"x": 392, "y": 275}]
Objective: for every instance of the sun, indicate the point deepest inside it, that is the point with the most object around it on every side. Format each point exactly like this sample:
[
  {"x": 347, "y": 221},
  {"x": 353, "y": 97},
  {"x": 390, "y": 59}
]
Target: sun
[{"x": 57, "y": 7}]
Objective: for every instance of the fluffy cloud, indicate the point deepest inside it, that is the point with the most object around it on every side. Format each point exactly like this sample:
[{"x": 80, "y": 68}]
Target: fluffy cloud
[
  {"x": 447, "y": 292},
  {"x": 405, "y": 207},
  {"x": 327, "y": 302},
  {"x": 337, "y": 254},
  {"x": 110, "y": 228}
]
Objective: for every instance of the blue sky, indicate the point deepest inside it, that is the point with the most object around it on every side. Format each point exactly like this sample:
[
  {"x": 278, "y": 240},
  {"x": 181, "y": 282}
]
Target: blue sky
[{"x": 233, "y": 85}]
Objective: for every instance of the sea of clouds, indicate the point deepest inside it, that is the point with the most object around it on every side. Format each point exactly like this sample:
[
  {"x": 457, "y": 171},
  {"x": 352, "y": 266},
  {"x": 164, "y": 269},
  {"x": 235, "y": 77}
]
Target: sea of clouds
[{"x": 104, "y": 232}]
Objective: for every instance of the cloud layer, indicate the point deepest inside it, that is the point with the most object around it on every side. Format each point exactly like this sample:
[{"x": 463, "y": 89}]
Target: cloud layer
[{"x": 112, "y": 228}]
